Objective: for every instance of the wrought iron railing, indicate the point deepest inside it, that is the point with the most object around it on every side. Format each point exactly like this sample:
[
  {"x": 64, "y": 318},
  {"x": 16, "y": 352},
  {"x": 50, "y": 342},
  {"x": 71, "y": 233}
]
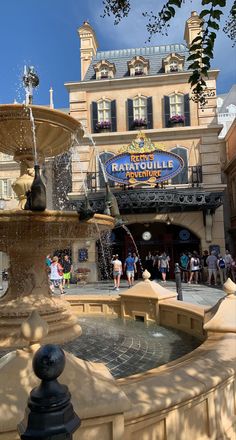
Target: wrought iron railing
[{"x": 193, "y": 178}]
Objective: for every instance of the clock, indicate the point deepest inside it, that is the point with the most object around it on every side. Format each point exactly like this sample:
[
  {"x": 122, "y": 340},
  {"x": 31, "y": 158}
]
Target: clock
[
  {"x": 146, "y": 235},
  {"x": 184, "y": 234}
]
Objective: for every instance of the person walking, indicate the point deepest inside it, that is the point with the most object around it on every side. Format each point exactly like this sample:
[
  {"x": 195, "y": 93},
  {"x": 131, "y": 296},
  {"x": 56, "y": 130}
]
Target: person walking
[
  {"x": 67, "y": 271},
  {"x": 130, "y": 268},
  {"x": 228, "y": 261},
  {"x": 194, "y": 268},
  {"x": 212, "y": 267},
  {"x": 184, "y": 262},
  {"x": 56, "y": 275},
  {"x": 163, "y": 265},
  {"x": 204, "y": 266},
  {"x": 222, "y": 269},
  {"x": 117, "y": 271}
]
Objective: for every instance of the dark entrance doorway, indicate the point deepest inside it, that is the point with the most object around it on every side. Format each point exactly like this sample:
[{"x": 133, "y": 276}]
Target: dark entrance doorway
[{"x": 171, "y": 238}]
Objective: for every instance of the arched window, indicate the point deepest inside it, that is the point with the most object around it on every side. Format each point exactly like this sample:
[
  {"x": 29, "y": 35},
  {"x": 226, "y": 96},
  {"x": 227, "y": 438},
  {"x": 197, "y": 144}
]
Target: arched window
[
  {"x": 138, "y": 69},
  {"x": 176, "y": 104},
  {"x": 104, "y": 72},
  {"x": 104, "y": 110},
  {"x": 182, "y": 177},
  {"x": 140, "y": 108},
  {"x": 103, "y": 158}
]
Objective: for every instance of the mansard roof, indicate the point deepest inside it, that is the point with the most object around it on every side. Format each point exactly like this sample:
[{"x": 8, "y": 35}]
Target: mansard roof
[{"x": 120, "y": 58}]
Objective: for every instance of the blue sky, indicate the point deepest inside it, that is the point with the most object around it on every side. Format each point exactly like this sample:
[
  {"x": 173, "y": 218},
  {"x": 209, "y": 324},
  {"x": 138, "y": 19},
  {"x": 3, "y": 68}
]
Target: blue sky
[{"x": 44, "y": 33}]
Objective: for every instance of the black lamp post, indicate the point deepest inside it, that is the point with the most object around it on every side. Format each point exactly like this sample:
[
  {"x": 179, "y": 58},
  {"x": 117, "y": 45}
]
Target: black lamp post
[{"x": 50, "y": 414}]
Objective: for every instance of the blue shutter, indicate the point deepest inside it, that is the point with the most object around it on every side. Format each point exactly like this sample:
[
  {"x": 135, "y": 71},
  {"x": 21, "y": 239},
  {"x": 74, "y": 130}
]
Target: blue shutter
[
  {"x": 186, "y": 110},
  {"x": 130, "y": 113},
  {"x": 167, "y": 111},
  {"x": 149, "y": 113},
  {"x": 94, "y": 116},
  {"x": 182, "y": 177},
  {"x": 113, "y": 115}
]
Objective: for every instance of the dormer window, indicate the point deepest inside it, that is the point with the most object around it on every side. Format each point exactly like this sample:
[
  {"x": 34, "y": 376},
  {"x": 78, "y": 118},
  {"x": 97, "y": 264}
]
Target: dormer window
[
  {"x": 173, "y": 63},
  {"x": 104, "y": 69},
  {"x": 138, "y": 70},
  {"x": 104, "y": 72},
  {"x": 174, "y": 66},
  {"x": 138, "y": 66}
]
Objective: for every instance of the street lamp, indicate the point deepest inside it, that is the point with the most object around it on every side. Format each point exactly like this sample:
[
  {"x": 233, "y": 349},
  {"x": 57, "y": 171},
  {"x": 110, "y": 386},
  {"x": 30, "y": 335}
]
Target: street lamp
[{"x": 2, "y": 206}]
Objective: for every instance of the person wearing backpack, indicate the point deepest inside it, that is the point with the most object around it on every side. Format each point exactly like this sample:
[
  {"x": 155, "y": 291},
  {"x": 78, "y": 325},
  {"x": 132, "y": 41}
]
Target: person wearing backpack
[
  {"x": 222, "y": 269},
  {"x": 194, "y": 268}
]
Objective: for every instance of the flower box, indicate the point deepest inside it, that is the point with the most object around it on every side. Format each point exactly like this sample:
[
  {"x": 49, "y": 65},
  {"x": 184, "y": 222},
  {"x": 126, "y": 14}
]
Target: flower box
[
  {"x": 176, "y": 121},
  {"x": 139, "y": 124},
  {"x": 103, "y": 126}
]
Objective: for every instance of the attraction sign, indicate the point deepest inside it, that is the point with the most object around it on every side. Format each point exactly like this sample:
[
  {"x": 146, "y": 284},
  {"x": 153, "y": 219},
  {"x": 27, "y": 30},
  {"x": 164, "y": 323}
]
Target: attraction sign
[{"x": 143, "y": 162}]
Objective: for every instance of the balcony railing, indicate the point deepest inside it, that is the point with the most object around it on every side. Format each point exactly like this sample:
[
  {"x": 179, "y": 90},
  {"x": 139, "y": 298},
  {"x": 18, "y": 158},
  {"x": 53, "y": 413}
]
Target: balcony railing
[{"x": 192, "y": 178}]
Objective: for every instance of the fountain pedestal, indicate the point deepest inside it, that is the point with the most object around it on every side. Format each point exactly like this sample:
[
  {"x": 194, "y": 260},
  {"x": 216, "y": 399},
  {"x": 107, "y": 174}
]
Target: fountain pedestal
[{"x": 28, "y": 237}]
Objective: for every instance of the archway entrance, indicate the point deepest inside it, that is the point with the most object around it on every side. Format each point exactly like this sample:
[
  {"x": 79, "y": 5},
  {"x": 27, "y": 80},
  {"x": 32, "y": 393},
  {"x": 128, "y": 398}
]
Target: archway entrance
[{"x": 172, "y": 239}]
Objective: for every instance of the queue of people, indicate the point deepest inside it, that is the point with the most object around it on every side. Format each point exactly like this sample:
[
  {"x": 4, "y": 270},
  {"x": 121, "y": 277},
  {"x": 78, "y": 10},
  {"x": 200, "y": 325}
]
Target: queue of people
[{"x": 210, "y": 268}]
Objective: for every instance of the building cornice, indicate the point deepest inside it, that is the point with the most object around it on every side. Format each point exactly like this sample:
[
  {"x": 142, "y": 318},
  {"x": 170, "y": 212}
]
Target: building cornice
[
  {"x": 120, "y": 83},
  {"x": 160, "y": 135}
]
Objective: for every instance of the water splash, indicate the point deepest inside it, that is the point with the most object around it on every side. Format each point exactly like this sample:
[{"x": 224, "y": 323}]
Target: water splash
[
  {"x": 103, "y": 252},
  {"x": 75, "y": 153},
  {"x": 134, "y": 244},
  {"x": 33, "y": 128},
  {"x": 97, "y": 153}
]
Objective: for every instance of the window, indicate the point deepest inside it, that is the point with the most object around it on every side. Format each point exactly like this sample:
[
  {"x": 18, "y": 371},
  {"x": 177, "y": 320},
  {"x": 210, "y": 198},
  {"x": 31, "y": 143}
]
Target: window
[
  {"x": 138, "y": 69},
  {"x": 140, "y": 108},
  {"x": 104, "y": 72},
  {"x": 103, "y": 157},
  {"x": 182, "y": 177},
  {"x": 140, "y": 112},
  {"x": 103, "y": 115},
  {"x": 6, "y": 191},
  {"x": 176, "y": 105},
  {"x": 173, "y": 66},
  {"x": 104, "y": 110}
]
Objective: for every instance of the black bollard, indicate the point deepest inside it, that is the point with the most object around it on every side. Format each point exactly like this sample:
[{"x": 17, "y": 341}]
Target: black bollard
[
  {"x": 50, "y": 414},
  {"x": 178, "y": 282}
]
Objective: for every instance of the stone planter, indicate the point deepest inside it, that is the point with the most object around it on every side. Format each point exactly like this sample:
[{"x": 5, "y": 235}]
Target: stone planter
[
  {"x": 103, "y": 130},
  {"x": 139, "y": 127},
  {"x": 173, "y": 124}
]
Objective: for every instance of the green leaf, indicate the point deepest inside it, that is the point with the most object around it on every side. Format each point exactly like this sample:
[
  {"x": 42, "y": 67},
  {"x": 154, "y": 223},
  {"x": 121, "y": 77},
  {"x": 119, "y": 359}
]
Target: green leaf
[
  {"x": 194, "y": 65},
  {"x": 204, "y": 12},
  {"x": 213, "y": 25},
  {"x": 216, "y": 14},
  {"x": 171, "y": 10},
  {"x": 206, "y": 2}
]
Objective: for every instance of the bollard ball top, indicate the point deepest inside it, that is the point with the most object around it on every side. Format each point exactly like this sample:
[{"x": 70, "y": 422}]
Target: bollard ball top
[{"x": 49, "y": 362}]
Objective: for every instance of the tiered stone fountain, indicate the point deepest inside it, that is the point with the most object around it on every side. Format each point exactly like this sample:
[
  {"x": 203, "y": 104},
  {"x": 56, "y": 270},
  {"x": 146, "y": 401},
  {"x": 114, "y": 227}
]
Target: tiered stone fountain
[{"x": 28, "y": 236}]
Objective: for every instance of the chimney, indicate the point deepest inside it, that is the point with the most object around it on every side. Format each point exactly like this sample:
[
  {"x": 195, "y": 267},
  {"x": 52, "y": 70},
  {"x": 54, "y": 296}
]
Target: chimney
[
  {"x": 193, "y": 28},
  {"x": 88, "y": 46},
  {"x": 51, "y": 105}
]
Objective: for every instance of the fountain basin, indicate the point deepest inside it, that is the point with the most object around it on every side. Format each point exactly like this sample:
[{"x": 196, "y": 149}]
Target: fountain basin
[
  {"x": 27, "y": 237},
  {"x": 53, "y": 130}
]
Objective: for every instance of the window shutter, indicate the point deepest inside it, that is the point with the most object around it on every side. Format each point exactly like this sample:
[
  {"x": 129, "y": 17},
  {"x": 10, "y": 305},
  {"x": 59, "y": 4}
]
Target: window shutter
[
  {"x": 186, "y": 109},
  {"x": 94, "y": 116},
  {"x": 182, "y": 177},
  {"x": 113, "y": 115},
  {"x": 149, "y": 113},
  {"x": 130, "y": 114},
  {"x": 167, "y": 110}
]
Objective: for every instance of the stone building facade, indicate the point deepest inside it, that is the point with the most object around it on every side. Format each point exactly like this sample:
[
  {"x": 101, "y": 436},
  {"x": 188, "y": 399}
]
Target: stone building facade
[{"x": 123, "y": 92}]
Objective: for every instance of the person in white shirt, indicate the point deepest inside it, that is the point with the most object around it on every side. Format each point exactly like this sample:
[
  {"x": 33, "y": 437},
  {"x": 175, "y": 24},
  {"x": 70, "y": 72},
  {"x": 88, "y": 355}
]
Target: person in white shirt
[
  {"x": 228, "y": 261},
  {"x": 117, "y": 271}
]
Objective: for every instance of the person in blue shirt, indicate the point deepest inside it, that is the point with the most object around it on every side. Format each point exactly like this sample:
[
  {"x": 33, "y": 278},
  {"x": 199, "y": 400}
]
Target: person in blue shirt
[{"x": 130, "y": 268}]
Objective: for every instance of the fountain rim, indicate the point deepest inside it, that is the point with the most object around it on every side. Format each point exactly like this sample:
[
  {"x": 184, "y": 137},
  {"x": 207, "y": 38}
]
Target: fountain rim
[{"x": 41, "y": 108}]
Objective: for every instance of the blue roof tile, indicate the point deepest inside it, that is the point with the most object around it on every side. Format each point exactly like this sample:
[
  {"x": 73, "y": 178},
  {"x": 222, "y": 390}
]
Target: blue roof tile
[{"x": 120, "y": 57}]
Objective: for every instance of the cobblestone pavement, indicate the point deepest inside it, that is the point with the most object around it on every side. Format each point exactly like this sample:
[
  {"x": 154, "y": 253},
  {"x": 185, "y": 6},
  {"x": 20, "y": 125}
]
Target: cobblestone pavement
[{"x": 128, "y": 347}]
